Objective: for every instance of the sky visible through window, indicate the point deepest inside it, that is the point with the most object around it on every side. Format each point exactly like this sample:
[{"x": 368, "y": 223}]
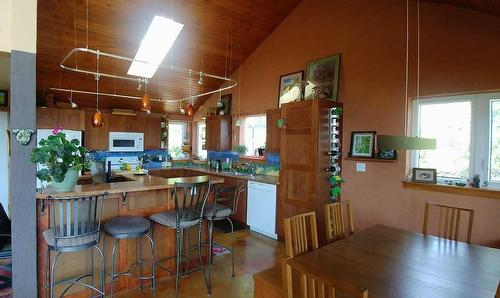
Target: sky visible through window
[
  {"x": 450, "y": 124},
  {"x": 495, "y": 141}
]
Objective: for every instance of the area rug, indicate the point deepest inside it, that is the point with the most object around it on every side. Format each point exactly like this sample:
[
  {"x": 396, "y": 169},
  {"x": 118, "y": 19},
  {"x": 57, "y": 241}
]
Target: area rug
[
  {"x": 6, "y": 278},
  {"x": 219, "y": 250}
]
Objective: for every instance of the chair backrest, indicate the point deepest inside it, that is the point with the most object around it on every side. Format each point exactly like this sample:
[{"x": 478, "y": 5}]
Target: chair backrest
[
  {"x": 335, "y": 220},
  {"x": 301, "y": 234},
  {"x": 190, "y": 200},
  {"x": 74, "y": 217},
  {"x": 229, "y": 196},
  {"x": 315, "y": 286},
  {"x": 449, "y": 221}
]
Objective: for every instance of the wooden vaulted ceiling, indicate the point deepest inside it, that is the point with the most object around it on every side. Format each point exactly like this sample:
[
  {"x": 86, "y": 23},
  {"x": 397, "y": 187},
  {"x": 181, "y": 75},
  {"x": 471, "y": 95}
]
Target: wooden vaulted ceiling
[
  {"x": 118, "y": 26},
  {"x": 488, "y": 6}
]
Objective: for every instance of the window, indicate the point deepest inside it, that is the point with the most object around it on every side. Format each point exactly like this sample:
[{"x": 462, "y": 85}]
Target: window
[
  {"x": 467, "y": 131},
  {"x": 202, "y": 153},
  {"x": 254, "y": 133},
  {"x": 177, "y": 136}
]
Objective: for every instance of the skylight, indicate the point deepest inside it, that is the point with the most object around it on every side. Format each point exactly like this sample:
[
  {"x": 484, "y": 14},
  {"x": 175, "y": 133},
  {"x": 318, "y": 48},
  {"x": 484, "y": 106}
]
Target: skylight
[{"x": 155, "y": 45}]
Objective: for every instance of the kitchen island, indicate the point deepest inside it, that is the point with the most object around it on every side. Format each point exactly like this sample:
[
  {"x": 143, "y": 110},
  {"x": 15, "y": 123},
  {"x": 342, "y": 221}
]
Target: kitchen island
[{"x": 135, "y": 196}]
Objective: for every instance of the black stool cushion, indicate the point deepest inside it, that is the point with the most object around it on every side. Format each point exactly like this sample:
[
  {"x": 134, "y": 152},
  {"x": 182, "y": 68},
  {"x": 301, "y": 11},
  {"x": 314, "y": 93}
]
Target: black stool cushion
[{"x": 127, "y": 227}]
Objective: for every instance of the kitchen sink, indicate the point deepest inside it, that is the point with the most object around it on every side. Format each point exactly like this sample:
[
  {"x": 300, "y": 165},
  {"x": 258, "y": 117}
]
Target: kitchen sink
[
  {"x": 119, "y": 179},
  {"x": 114, "y": 179}
]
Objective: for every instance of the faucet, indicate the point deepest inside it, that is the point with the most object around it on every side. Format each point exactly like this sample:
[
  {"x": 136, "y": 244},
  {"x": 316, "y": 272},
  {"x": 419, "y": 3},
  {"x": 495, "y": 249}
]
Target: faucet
[{"x": 250, "y": 165}]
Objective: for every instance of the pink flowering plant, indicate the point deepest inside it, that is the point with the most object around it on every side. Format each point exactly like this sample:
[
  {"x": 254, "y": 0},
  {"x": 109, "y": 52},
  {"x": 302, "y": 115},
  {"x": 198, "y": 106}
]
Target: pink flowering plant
[{"x": 58, "y": 155}]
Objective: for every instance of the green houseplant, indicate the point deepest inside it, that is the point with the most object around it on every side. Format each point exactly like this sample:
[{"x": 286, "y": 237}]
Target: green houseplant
[
  {"x": 241, "y": 149},
  {"x": 335, "y": 182},
  {"x": 62, "y": 160}
]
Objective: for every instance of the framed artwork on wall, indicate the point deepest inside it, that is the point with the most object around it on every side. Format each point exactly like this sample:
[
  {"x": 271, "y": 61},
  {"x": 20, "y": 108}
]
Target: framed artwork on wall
[
  {"x": 290, "y": 88},
  {"x": 4, "y": 100},
  {"x": 363, "y": 144},
  {"x": 323, "y": 78},
  {"x": 421, "y": 175}
]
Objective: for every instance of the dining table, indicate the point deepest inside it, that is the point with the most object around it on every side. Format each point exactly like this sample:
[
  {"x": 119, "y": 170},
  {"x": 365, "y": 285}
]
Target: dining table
[{"x": 391, "y": 262}]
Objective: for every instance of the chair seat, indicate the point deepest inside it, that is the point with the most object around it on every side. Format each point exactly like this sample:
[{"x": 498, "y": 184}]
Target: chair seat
[
  {"x": 168, "y": 219},
  {"x": 221, "y": 212},
  {"x": 127, "y": 227},
  {"x": 70, "y": 243}
]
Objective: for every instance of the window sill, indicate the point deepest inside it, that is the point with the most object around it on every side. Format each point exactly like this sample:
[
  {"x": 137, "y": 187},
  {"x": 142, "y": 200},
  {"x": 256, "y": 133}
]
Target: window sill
[{"x": 483, "y": 192}]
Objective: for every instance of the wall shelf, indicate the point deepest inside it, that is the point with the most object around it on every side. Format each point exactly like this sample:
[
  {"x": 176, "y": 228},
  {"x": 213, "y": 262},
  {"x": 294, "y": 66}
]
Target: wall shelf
[{"x": 370, "y": 159}]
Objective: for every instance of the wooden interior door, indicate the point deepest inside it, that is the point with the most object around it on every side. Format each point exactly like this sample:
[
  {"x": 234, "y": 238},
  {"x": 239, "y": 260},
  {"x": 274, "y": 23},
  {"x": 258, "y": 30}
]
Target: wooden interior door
[{"x": 298, "y": 160}]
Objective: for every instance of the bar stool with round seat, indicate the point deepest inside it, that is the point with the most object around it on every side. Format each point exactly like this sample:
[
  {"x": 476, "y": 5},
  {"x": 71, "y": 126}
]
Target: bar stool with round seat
[
  {"x": 74, "y": 225},
  {"x": 224, "y": 206},
  {"x": 190, "y": 200},
  {"x": 130, "y": 227}
]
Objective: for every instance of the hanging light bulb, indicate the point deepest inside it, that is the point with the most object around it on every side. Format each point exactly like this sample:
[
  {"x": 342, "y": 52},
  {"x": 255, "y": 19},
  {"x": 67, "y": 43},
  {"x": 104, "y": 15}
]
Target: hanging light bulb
[
  {"x": 97, "y": 119},
  {"x": 189, "y": 110},
  {"x": 73, "y": 104},
  {"x": 200, "y": 81},
  {"x": 145, "y": 102},
  {"x": 181, "y": 109}
]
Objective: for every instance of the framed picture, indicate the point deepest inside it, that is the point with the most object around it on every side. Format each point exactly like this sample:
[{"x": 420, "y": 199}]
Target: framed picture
[
  {"x": 4, "y": 100},
  {"x": 422, "y": 175},
  {"x": 387, "y": 154},
  {"x": 290, "y": 88},
  {"x": 323, "y": 78},
  {"x": 224, "y": 105},
  {"x": 363, "y": 144}
]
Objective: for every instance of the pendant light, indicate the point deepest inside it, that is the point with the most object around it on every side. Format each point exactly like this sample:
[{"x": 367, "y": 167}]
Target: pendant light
[
  {"x": 97, "y": 118},
  {"x": 146, "y": 102},
  {"x": 189, "y": 107},
  {"x": 387, "y": 142}
]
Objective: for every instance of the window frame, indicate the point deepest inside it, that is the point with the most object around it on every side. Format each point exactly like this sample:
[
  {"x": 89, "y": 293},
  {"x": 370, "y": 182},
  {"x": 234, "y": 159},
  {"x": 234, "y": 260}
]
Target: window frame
[
  {"x": 481, "y": 131},
  {"x": 185, "y": 133},
  {"x": 243, "y": 133}
]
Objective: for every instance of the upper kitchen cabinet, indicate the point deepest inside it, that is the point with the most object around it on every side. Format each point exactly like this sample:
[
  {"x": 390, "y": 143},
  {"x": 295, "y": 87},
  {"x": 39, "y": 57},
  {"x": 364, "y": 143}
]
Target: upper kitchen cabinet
[
  {"x": 218, "y": 133},
  {"x": 48, "y": 118},
  {"x": 152, "y": 132},
  {"x": 273, "y": 136}
]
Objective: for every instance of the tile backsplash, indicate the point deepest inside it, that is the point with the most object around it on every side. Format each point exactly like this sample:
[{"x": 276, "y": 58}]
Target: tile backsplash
[{"x": 100, "y": 155}]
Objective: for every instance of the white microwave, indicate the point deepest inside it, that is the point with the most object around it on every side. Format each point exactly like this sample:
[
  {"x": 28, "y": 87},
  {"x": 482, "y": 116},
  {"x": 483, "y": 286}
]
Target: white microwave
[{"x": 126, "y": 141}]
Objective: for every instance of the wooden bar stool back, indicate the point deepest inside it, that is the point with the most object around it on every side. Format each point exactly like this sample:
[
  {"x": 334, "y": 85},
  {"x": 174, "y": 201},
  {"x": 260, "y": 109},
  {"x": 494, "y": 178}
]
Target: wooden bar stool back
[
  {"x": 301, "y": 236},
  {"x": 336, "y": 215},
  {"x": 448, "y": 221}
]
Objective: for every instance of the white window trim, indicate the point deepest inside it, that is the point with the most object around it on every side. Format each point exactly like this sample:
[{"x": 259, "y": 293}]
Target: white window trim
[{"x": 480, "y": 148}]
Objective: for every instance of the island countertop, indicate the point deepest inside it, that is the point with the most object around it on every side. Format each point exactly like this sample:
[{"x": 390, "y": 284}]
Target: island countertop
[{"x": 136, "y": 183}]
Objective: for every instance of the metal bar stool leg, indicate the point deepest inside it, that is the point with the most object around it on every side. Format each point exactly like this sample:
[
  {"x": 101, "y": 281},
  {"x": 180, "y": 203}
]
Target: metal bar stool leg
[
  {"x": 103, "y": 271},
  {"x": 47, "y": 272},
  {"x": 113, "y": 252},
  {"x": 138, "y": 259},
  {"x": 178, "y": 241},
  {"x": 153, "y": 263},
  {"x": 205, "y": 275},
  {"x": 232, "y": 242},
  {"x": 52, "y": 274}
]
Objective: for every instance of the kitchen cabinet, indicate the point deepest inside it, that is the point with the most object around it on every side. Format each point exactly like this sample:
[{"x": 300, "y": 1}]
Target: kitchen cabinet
[
  {"x": 152, "y": 131},
  {"x": 48, "y": 118},
  {"x": 273, "y": 134},
  {"x": 218, "y": 133},
  {"x": 116, "y": 123},
  {"x": 305, "y": 160},
  {"x": 96, "y": 138}
]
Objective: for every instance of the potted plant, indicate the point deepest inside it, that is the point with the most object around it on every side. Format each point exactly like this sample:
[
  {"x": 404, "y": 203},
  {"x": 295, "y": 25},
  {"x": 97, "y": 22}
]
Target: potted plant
[
  {"x": 241, "y": 149},
  {"x": 62, "y": 161},
  {"x": 335, "y": 182}
]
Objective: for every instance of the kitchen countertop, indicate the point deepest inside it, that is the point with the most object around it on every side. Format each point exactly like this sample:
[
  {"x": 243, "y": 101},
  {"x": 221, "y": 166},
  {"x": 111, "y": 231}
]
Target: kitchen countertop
[
  {"x": 136, "y": 183},
  {"x": 257, "y": 178}
]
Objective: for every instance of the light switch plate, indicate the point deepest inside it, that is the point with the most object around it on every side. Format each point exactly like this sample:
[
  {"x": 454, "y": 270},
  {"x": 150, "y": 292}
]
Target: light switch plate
[{"x": 360, "y": 167}]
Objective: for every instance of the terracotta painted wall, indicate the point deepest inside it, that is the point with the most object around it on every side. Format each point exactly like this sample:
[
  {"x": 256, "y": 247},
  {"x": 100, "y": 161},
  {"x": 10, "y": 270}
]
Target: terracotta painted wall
[{"x": 459, "y": 53}]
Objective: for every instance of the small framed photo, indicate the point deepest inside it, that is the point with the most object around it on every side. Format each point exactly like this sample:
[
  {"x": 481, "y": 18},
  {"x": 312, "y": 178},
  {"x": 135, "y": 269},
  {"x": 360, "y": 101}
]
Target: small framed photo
[
  {"x": 421, "y": 175},
  {"x": 4, "y": 100},
  {"x": 363, "y": 144},
  {"x": 387, "y": 154},
  {"x": 290, "y": 88}
]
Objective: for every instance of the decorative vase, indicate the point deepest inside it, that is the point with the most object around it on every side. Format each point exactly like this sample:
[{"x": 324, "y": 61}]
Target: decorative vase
[{"x": 69, "y": 182}]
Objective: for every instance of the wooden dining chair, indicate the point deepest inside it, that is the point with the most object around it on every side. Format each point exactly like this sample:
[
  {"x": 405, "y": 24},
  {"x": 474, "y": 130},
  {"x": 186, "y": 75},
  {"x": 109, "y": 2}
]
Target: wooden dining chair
[
  {"x": 315, "y": 286},
  {"x": 301, "y": 236},
  {"x": 334, "y": 219},
  {"x": 449, "y": 221}
]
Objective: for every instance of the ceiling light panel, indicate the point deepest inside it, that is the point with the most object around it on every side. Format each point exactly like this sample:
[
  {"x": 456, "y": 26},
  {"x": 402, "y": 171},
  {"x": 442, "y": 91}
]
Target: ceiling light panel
[{"x": 155, "y": 45}]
